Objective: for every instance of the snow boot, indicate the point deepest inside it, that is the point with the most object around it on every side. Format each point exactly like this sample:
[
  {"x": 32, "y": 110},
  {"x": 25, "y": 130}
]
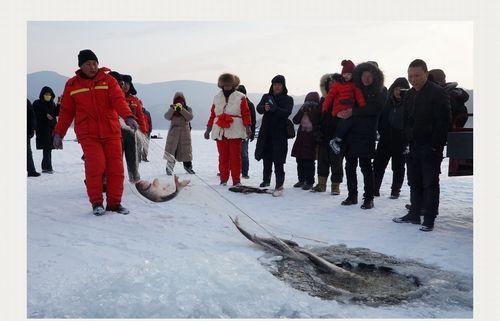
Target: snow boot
[
  {"x": 34, "y": 174},
  {"x": 48, "y": 171},
  {"x": 395, "y": 194},
  {"x": 307, "y": 186},
  {"x": 118, "y": 209},
  {"x": 223, "y": 183},
  {"x": 350, "y": 200},
  {"x": 335, "y": 145},
  {"x": 321, "y": 186},
  {"x": 98, "y": 210},
  {"x": 265, "y": 184},
  {"x": 278, "y": 191},
  {"x": 189, "y": 170},
  {"x": 335, "y": 189},
  {"x": 367, "y": 204},
  {"x": 427, "y": 225},
  {"x": 245, "y": 176},
  {"x": 235, "y": 184},
  {"x": 408, "y": 218},
  {"x": 298, "y": 184}
]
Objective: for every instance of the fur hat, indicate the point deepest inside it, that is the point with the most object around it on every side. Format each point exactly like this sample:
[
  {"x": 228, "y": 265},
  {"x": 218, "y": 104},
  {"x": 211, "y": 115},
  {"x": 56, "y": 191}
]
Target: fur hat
[
  {"x": 324, "y": 82},
  {"x": 347, "y": 66},
  {"x": 278, "y": 79},
  {"x": 227, "y": 79},
  {"x": 378, "y": 77},
  {"x": 86, "y": 55},
  {"x": 438, "y": 76}
]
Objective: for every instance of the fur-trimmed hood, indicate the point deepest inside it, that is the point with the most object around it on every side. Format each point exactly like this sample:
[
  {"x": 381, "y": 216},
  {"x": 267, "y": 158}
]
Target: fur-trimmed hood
[
  {"x": 322, "y": 83},
  {"x": 378, "y": 77}
]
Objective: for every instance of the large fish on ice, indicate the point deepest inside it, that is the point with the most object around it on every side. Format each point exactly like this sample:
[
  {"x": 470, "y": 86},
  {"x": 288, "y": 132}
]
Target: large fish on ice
[{"x": 158, "y": 191}]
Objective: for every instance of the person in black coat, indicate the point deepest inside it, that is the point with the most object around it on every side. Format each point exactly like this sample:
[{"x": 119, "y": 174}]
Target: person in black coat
[
  {"x": 392, "y": 142},
  {"x": 427, "y": 122},
  {"x": 360, "y": 141},
  {"x": 149, "y": 123},
  {"x": 46, "y": 111},
  {"x": 31, "y": 126},
  {"x": 245, "y": 163},
  {"x": 272, "y": 145},
  {"x": 304, "y": 147}
]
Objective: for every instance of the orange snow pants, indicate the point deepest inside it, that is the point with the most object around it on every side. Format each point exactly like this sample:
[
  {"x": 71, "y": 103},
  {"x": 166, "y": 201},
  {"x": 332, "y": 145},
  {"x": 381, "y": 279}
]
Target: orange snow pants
[{"x": 103, "y": 156}]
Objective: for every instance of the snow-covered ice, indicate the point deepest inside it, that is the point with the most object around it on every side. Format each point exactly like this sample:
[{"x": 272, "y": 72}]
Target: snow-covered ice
[{"x": 184, "y": 258}]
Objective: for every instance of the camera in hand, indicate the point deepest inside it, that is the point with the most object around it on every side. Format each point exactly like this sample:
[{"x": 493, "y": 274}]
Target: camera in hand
[{"x": 178, "y": 107}]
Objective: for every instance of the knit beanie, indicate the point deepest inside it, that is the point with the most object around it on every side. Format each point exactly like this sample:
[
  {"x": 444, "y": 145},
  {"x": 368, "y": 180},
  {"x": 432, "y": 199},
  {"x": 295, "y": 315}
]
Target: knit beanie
[
  {"x": 85, "y": 55},
  {"x": 347, "y": 66}
]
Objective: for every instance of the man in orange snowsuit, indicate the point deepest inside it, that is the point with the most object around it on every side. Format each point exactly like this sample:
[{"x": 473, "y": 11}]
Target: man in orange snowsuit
[{"x": 94, "y": 99}]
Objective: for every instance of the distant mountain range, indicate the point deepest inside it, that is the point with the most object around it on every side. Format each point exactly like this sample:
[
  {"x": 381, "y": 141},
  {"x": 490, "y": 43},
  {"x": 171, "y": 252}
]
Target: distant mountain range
[{"x": 157, "y": 97}]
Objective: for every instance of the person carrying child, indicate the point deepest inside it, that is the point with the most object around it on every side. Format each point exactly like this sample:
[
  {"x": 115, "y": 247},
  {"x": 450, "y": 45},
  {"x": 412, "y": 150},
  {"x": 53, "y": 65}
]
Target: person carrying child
[{"x": 343, "y": 94}]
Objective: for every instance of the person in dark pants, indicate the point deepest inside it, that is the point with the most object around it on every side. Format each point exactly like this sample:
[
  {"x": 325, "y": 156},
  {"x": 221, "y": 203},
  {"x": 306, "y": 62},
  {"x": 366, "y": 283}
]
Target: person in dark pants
[
  {"x": 304, "y": 147},
  {"x": 325, "y": 130},
  {"x": 272, "y": 145},
  {"x": 245, "y": 163},
  {"x": 427, "y": 121},
  {"x": 392, "y": 142},
  {"x": 360, "y": 142},
  {"x": 30, "y": 125},
  {"x": 46, "y": 112}
]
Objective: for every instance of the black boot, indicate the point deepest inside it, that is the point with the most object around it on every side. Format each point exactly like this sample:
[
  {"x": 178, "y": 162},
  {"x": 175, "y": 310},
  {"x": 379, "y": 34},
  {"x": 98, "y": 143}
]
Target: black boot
[
  {"x": 395, "y": 194},
  {"x": 408, "y": 218},
  {"x": 189, "y": 170},
  {"x": 118, "y": 209},
  {"x": 307, "y": 186},
  {"x": 298, "y": 184},
  {"x": 367, "y": 204},
  {"x": 265, "y": 184},
  {"x": 350, "y": 200},
  {"x": 427, "y": 225}
]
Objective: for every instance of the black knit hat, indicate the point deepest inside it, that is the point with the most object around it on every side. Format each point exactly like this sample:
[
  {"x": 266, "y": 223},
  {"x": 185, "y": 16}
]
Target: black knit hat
[
  {"x": 85, "y": 55},
  {"x": 128, "y": 78}
]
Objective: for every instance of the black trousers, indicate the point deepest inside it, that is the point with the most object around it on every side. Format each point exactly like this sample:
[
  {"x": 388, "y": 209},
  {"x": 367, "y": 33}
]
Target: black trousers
[
  {"x": 278, "y": 169},
  {"x": 329, "y": 161},
  {"x": 30, "y": 164},
  {"x": 382, "y": 157},
  {"x": 424, "y": 167},
  {"x": 47, "y": 159},
  {"x": 352, "y": 179},
  {"x": 244, "y": 157},
  {"x": 343, "y": 127},
  {"x": 305, "y": 170}
]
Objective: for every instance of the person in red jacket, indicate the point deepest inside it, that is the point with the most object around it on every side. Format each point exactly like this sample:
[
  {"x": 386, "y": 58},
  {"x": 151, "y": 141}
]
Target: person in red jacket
[
  {"x": 343, "y": 94},
  {"x": 93, "y": 99},
  {"x": 231, "y": 123}
]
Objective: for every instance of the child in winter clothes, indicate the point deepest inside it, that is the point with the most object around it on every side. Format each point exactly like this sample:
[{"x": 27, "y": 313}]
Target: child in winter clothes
[
  {"x": 343, "y": 94},
  {"x": 304, "y": 147}
]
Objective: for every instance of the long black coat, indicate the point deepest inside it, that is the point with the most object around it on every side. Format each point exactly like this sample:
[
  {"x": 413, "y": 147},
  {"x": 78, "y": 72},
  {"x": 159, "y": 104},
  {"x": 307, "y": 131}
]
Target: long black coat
[
  {"x": 44, "y": 125},
  {"x": 391, "y": 121},
  {"x": 361, "y": 138},
  {"x": 31, "y": 120},
  {"x": 428, "y": 116},
  {"x": 272, "y": 140}
]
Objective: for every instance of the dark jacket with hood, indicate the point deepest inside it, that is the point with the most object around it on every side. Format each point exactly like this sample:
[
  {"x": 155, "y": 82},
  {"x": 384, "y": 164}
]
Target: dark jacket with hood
[
  {"x": 391, "y": 121},
  {"x": 326, "y": 124},
  {"x": 272, "y": 142},
  {"x": 427, "y": 116},
  {"x": 31, "y": 120},
  {"x": 44, "y": 125},
  {"x": 361, "y": 138},
  {"x": 305, "y": 144},
  {"x": 251, "y": 106}
]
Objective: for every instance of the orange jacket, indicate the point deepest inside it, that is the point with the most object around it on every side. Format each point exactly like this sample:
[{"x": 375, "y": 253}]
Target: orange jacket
[
  {"x": 135, "y": 105},
  {"x": 343, "y": 95},
  {"x": 94, "y": 104}
]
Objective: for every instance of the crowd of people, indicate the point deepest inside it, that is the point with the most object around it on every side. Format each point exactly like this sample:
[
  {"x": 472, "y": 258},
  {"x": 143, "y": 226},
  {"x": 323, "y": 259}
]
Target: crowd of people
[{"x": 341, "y": 123}]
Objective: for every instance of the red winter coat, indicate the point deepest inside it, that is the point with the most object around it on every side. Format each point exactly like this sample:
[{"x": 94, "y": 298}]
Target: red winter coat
[
  {"x": 94, "y": 104},
  {"x": 343, "y": 95},
  {"x": 135, "y": 105}
]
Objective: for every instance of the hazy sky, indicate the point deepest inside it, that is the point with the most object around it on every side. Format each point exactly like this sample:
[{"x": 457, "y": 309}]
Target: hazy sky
[{"x": 302, "y": 51}]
